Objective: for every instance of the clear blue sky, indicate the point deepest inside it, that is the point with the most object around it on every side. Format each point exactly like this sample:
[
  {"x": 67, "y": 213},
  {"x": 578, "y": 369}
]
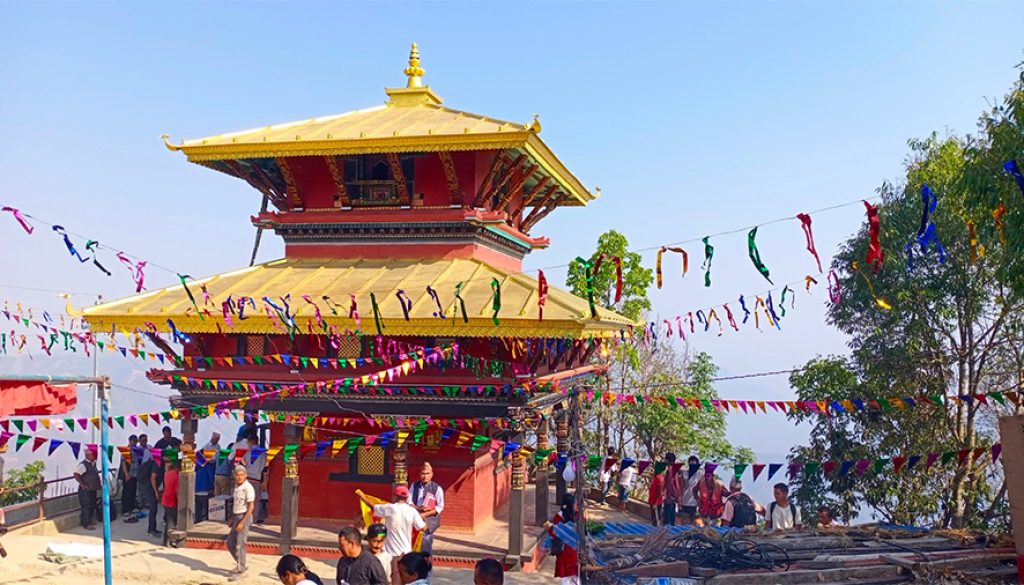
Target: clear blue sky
[{"x": 693, "y": 118}]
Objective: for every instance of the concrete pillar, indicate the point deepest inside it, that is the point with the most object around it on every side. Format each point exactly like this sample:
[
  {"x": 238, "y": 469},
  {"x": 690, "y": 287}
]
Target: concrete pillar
[
  {"x": 515, "y": 508},
  {"x": 562, "y": 444},
  {"x": 542, "y": 492},
  {"x": 186, "y": 494},
  {"x": 289, "y": 505}
]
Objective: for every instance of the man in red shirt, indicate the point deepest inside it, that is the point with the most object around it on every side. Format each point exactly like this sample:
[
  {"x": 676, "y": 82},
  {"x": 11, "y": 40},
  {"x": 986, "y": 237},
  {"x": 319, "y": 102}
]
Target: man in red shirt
[
  {"x": 169, "y": 499},
  {"x": 656, "y": 495}
]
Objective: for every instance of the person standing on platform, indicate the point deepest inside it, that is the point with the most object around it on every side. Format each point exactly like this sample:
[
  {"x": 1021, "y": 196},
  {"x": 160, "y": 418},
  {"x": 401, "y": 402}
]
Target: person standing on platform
[
  {"x": 626, "y": 474},
  {"x": 428, "y": 498},
  {"x": 656, "y": 495},
  {"x": 605, "y": 478},
  {"x": 689, "y": 480},
  {"x": 825, "y": 519},
  {"x": 148, "y": 487},
  {"x": 168, "y": 440},
  {"x": 567, "y": 560},
  {"x": 673, "y": 491},
  {"x": 710, "y": 493},
  {"x": 376, "y": 534},
  {"x": 240, "y": 521},
  {"x": 223, "y": 481},
  {"x": 169, "y": 498},
  {"x": 357, "y": 565},
  {"x": 130, "y": 472},
  {"x": 740, "y": 509},
  {"x": 213, "y": 444},
  {"x": 782, "y": 513},
  {"x": 401, "y": 518},
  {"x": 89, "y": 484}
]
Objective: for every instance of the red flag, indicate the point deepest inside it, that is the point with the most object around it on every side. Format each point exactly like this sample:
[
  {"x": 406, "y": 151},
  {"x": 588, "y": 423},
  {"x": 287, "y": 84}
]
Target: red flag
[{"x": 758, "y": 468}]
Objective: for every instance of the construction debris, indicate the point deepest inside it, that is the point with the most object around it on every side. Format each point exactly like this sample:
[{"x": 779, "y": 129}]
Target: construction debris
[{"x": 865, "y": 555}]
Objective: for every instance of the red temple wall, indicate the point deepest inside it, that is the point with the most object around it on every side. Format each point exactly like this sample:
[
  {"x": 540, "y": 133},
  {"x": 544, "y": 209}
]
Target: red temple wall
[
  {"x": 313, "y": 181},
  {"x": 473, "y": 493}
]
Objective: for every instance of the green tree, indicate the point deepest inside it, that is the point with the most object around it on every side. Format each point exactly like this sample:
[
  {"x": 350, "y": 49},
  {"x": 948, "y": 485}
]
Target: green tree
[
  {"x": 21, "y": 477},
  {"x": 654, "y": 369},
  {"x": 953, "y": 328},
  {"x": 635, "y": 278}
]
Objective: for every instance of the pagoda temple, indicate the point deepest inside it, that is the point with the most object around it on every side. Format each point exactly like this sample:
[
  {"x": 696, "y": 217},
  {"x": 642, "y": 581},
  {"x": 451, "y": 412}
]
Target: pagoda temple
[{"x": 400, "y": 303}]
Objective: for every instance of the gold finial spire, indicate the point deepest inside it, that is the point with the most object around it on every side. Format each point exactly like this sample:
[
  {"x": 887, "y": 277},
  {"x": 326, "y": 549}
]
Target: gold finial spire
[{"x": 414, "y": 72}]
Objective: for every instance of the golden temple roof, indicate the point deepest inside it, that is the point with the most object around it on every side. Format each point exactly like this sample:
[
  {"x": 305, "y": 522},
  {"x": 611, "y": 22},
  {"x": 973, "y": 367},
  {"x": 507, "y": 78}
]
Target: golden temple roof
[
  {"x": 565, "y": 315},
  {"x": 412, "y": 120}
]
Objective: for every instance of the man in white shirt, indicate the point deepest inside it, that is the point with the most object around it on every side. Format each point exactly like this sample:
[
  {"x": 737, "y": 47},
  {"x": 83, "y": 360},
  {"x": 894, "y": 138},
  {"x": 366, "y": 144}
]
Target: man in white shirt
[
  {"x": 240, "y": 521},
  {"x": 400, "y": 518},
  {"x": 782, "y": 514},
  {"x": 428, "y": 499},
  {"x": 608, "y": 468},
  {"x": 626, "y": 476},
  {"x": 214, "y": 443}
]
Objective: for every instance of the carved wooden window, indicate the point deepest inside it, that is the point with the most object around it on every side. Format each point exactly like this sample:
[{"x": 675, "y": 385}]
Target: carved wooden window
[{"x": 371, "y": 460}]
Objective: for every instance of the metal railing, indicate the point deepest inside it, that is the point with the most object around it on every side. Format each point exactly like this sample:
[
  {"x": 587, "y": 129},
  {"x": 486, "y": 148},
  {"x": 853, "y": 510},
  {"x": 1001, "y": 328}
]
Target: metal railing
[{"x": 46, "y": 491}]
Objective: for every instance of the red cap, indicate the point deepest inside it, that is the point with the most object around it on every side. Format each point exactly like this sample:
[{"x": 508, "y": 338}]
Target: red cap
[{"x": 402, "y": 491}]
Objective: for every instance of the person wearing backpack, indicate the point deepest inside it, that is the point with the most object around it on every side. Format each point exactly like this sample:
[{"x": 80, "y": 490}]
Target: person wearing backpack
[
  {"x": 740, "y": 509},
  {"x": 782, "y": 513}
]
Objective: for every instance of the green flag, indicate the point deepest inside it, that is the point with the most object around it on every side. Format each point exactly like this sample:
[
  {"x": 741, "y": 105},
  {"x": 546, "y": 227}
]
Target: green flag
[
  {"x": 880, "y": 464},
  {"x": 289, "y": 452}
]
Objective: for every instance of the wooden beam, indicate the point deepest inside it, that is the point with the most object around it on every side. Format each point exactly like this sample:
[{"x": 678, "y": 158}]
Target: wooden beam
[
  {"x": 451, "y": 177},
  {"x": 263, "y": 184},
  {"x": 506, "y": 176},
  {"x": 396, "y": 172},
  {"x": 528, "y": 198},
  {"x": 289, "y": 182},
  {"x": 551, "y": 197},
  {"x": 338, "y": 176},
  {"x": 515, "y": 186},
  {"x": 499, "y": 159}
]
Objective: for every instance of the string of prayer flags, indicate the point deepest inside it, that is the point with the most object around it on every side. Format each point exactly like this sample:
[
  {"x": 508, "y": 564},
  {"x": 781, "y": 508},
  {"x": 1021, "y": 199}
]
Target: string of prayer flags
[
  {"x": 136, "y": 269},
  {"x": 875, "y": 254},
  {"x": 25, "y": 225},
  {"x": 709, "y": 253},
  {"x": 1011, "y": 167},
  {"x": 686, "y": 261},
  {"x": 755, "y": 255},
  {"x": 495, "y": 300},
  {"x": 882, "y": 303},
  {"x": 91, "y": 246},
  {"x": 835, "y": 293},
  {"x": 462, "y": 302},
  {"x": 188, "y": 292},
  {"x": 542, "y": 294},
  {"x": 67, "y": 242},
  {"x": 618, "y": 272},
  {"x": 926, "y": 233},
  {"x": 976, "y": 252},
  {"x": 805, "y": 224},
  {"x": 588, "y": 279},
  {"x": 377, "y": 321},
  {"x": 405, "y": 302}
]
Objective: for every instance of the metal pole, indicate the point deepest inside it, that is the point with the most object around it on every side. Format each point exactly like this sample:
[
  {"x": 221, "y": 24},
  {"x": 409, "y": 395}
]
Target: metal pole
[
  {"x": 96, "y": 395},
  {"x": 101, "y": 391}
]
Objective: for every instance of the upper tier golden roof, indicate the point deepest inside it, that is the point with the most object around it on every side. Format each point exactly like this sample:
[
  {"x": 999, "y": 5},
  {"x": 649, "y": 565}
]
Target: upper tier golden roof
[
  {"x": 565, "y": 315},
  {"x": 413, "y": 120}
]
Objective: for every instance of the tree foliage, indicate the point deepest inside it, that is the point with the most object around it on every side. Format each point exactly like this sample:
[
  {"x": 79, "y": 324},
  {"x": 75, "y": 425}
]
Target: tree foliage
[
  {"x": 954, "y": 328},
  {"x": 21, "y": 477},
  {"x": 635, "y": 278}
]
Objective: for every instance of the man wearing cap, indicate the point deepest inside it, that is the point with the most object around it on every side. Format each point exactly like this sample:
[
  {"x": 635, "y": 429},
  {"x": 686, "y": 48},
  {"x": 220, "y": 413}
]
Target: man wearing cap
[
  {"x": 240, "y": 521},
  {"x": 428, "y": 498},
  {"x": 400, "y": 518}
]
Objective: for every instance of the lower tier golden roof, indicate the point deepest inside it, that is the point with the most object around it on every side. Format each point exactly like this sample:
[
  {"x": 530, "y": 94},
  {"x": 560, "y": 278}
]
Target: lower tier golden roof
[{"x": 565, "y": 315}]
